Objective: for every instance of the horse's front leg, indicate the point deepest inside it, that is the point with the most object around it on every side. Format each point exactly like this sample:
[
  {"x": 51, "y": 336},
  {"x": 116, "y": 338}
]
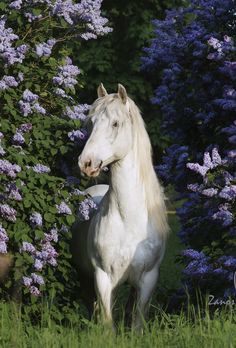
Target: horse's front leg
[
  {"x": 104, "y": 291},
  {"x": 145, "y": 288}
]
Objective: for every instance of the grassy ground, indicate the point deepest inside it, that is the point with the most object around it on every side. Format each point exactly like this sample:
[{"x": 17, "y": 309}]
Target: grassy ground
[
  {"x": 192, "y": 329},
  {"x": 184, "y": 330}
]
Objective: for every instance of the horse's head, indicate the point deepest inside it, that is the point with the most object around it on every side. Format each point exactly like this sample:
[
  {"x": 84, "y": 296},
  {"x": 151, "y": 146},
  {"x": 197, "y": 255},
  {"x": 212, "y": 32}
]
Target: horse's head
[{"x": 111, "y": 132}]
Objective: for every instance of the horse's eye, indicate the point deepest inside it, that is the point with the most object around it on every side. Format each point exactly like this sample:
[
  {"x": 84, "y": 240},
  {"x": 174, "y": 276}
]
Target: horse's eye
[{"x": 115, "y": 124}]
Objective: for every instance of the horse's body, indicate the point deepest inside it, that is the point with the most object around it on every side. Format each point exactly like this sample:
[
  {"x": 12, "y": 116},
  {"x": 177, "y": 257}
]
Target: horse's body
[{"x": 125, "y": 239}]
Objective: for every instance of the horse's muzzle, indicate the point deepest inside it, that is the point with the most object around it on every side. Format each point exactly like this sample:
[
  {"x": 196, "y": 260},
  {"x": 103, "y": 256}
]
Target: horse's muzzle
[{"x": 90, "y": 168}]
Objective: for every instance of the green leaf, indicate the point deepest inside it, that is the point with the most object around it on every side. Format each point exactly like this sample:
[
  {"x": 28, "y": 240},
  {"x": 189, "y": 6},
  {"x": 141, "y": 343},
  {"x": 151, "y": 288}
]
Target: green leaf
[
  {"x": 70, "y": 219},
  {"x": 49, "y": 217}
]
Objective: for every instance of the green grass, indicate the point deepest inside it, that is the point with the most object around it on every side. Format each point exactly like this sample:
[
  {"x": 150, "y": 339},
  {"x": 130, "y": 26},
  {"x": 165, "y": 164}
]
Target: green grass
[
  {"x": 191, "y": 329},
  {"x": 184, "y": 330}
]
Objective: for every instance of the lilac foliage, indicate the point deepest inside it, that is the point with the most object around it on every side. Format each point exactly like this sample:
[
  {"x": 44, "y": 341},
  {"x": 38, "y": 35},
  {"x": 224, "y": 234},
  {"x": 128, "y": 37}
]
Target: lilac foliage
[
  {"x": 195, "y": 48},
  {"x": 39, "y": 84}
]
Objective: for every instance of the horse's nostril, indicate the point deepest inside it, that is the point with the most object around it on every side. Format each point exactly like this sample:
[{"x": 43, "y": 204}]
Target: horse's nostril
[{"x": 88, "y": 164}]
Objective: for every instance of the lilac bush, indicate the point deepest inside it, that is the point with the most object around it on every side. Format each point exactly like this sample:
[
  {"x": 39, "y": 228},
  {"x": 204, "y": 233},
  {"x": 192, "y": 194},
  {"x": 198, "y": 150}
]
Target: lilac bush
[
  {"x": 195, "y": 50},
  {"x": 41, "y": 120}
]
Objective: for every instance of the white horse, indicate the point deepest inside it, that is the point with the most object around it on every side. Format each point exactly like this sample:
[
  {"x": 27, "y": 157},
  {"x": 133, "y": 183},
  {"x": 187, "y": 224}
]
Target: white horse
[{"x": 125, "y": 239}]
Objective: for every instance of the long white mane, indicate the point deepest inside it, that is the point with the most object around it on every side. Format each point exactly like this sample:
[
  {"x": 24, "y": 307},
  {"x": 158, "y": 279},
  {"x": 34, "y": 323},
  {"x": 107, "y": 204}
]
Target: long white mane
[{"x": 153, "y": 191}]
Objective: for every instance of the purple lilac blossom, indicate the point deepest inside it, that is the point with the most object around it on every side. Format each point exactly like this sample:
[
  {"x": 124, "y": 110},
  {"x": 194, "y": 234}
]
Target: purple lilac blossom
[
  {"x": 25, "y": 127},
  {"x": 45, "y": 48},
  {"x": 76, "y": 135},
  {"x": 61, "y": 93},
  {"x": 25, "y": 108},
  {"x": 37, "y": 279},
  {"x": 18, "y": 139},
  {"x": 2, "y": 151},
  {"x": 38, "y": 264},
  {"x": 193, "y": 254},
  {"x": 224, "y": 215},
  {"x": 67, "y": 74},
  {"x": 36, "y": 219},
  {"x": 13, "y": 192},
  {"x": 32, "y": 17},
  {"x": 9, "y": 169},
  {"x": 34, "y": 290},
  {"x": 228, "y": 193},
  {"x": 16, "y": 5},
  {"x": 8, "y": 82},
  {"x": 88, "y": 11},
  {"x": 27, "y": 281},
  {"x": 38, "y": 108},
  {"x": 8, "y": 212},
  {"x": 52, "y": 236},
  {"x": 20, "y": 76},
  {"x": 29, "y": 97},
  {"x": 3, "y": 240},
  {"x": 63, "y": 208},
  {"x": 28, "y": 247},
  {"x": 85, "y": 208},
  {"x": 210, "y": 192},
  {"x": 8, "y": 53},
  {"x": 41, "y": 168},
  {"x": 77, "y": 112}
]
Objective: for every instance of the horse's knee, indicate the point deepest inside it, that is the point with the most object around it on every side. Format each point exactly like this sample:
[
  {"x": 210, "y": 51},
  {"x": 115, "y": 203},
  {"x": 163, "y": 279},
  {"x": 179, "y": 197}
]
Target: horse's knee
[{"x": 104, "y": 289}]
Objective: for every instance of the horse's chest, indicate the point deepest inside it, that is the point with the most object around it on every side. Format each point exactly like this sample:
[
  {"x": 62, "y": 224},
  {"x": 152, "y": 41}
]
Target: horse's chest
[{"x": 117, "y": 246}]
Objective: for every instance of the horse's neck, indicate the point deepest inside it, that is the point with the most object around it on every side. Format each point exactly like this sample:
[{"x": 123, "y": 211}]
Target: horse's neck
[{"x": 126, "y": 191}]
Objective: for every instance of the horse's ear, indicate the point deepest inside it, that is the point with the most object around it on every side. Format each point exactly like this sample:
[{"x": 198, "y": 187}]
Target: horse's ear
[
  {"x": 101, "y": 91},
  {"x": 122, "y": 93}
]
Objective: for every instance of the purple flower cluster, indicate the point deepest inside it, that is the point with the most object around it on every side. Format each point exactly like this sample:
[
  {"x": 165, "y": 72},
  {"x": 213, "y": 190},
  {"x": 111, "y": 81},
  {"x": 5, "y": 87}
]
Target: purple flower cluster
[
  {"x": 18, "y": 138},
  {"x": 224, "y": 215},
  {"x": 197, "y": 98},
  {"x": 9, "y": 169},
  {"x": 221, "y": 48},
  {"x": 45, "y": 48},
  {"x": 209, "y": 162},
  {"x": 29, "y": 104},
  {"x": 85, "y": 208},
  {"x": 36, "y": 219},
  {"x": 63, "y": 208},
  {"x": 46, "y": 256},
  {"x": 76, "y": 135},
  {"x": 61, "y": 93},
  {"x": 41, "y": 168},
  {"x": 13, "y": 192},
  {"x": 3, "y": 240},
  {"x": 88, "y": 11},
  {"x": 33, "y": 279},
  {"x": 2, "y": 151},
  {"x": 32, "y": 17},
  {"x": 78, "y": 112},
  {"x": 8, "y": 213},
  {"x": 8, "y": 53},
  {"x": 7, "y": 82},
  {"x": 67, "y": 74}
]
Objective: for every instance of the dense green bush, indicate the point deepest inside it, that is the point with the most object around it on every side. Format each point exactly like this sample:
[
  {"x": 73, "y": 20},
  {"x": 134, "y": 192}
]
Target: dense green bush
[
  {"x": 41, "y": 136},
  {"x": 194, "y": 47}
]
